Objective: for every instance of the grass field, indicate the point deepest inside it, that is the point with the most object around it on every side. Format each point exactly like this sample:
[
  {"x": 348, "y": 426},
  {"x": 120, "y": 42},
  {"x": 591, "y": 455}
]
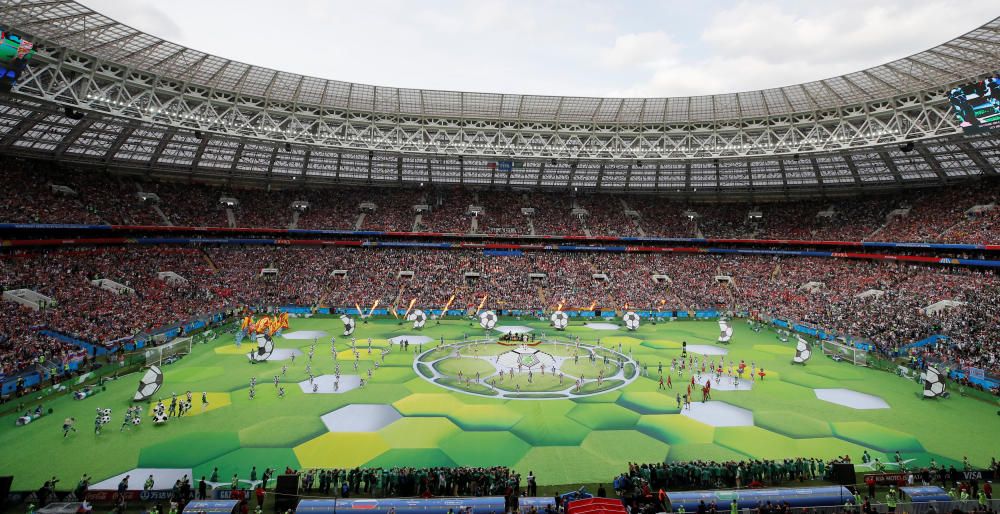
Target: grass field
[{"x": 408, "y": 420}]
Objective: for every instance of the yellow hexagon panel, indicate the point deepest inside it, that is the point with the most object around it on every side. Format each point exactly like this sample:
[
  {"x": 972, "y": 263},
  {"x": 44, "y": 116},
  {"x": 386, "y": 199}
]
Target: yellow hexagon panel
[{"x": 340, "y": 450}]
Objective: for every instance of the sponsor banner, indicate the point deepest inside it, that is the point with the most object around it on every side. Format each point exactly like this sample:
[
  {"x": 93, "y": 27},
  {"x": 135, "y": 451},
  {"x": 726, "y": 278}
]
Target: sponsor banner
[
  {"x": 130, "y": 495},
  {"x": 888, "y": 478},
  {"x": 979, "y": 475}
]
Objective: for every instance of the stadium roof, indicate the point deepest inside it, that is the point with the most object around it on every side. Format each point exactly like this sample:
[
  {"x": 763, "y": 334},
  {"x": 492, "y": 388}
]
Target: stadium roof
[
  {"x": 155, "y": 104},
  {"x": 70, "y": 24}
]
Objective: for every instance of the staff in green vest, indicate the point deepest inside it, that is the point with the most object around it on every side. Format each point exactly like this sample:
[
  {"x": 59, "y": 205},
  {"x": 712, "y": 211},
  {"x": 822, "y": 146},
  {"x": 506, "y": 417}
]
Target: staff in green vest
[{"x": 890, "y": 499}]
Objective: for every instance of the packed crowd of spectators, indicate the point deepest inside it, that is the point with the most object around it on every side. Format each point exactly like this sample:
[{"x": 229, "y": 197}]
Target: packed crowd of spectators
[
  {"x": 941, "y": 215},
  {"x": 97, "y": 315},
  {"x": 882, "y": 303},
  {"x": 410, "y": 482},
  {"x": 710, "y": 474}
]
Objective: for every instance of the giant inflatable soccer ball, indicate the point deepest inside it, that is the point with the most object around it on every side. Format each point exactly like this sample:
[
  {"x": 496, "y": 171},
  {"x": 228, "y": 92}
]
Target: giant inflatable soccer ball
[
  {"x": 418, "y": 317},
  {"x": 265, "y": 346},
  {"x": 348, "y": 324},
  {"x": 802, "y": 351},
  {"x": 725, "y": 331},
  {"x": 559, "y": 320},
  {"x": 149, "y": 384},
  {"x": 933, "y": 383},
  {"x": 631, "y": 320},
  {"x": 487, "y": 319}
]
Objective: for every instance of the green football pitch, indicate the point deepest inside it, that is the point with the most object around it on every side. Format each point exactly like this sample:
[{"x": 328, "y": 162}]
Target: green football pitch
[{"x": 424, "y": 414}]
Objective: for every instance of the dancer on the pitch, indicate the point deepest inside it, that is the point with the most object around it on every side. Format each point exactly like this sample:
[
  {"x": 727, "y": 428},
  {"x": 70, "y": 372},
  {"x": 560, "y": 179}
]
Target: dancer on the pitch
[{"x": 68, "y": 426}]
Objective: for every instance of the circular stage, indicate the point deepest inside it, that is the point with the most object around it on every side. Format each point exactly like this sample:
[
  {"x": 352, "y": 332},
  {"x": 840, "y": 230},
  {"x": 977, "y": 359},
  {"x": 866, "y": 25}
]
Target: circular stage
[
  {"x": 543, "y": 370},
  {"x": 513, "y": 329}
]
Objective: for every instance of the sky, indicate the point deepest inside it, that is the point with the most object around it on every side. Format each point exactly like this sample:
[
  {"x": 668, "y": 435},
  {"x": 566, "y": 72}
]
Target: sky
[{"x": 643, "y": 48}]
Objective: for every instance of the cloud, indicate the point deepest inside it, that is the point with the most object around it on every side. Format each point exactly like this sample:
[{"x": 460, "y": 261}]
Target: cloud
[
  {"x": 141, "y": 15},
  {"x": 573, "y": 47},
  {"x": 754, "y": 45},
  {"x": 644, "y": 49}
]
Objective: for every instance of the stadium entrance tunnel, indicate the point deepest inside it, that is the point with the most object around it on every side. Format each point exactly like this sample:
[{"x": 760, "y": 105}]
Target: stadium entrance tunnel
[{"x": 540, "y": 370}]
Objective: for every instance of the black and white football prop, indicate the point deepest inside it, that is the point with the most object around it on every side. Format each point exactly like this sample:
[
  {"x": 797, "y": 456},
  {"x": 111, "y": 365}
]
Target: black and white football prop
[
  {"x": 149, "y": 384},
  {"x": 631, "y": 320},
  {"x": 487, "y": 319},
  {"x": 934, "y": 385},
  {"x": 802, "y": 350},
  {"x": 725, "y": 331},
  {"x": 265, "y": 346},
  {"x": 559, "y": 320},
  {"x": 159, "y": 418},
  {"x": 348, "y": 324},
  {"x": 418, "y": 317}
]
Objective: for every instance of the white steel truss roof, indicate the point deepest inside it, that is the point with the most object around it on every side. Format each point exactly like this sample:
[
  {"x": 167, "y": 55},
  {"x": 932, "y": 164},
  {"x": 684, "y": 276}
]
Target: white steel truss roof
[
  {"x": 156, "y": 105},
  {"x": 71, "y": 25},
  {"x": 41, "y": 130}
]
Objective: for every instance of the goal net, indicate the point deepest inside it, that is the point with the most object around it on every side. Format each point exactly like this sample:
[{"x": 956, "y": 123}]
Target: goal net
[
  {"x": 844, "y": 352},
  {"x": 168, "y": 352}
]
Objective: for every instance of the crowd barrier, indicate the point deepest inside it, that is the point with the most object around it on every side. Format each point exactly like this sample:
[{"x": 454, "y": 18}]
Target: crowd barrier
[
  {"x": 750, "y": 498},
  {"x": 415, "y": 505}
]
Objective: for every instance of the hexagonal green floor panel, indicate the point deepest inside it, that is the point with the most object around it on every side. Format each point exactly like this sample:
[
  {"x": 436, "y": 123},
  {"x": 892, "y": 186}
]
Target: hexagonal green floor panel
[
  {"x": 485, "y": 417},
  {"x": 418, "y": 432},
  {"x": 546, "y": 423},
  {"x": 564, "y": 467},
  {"x": 662, "y": 344},
  {"x": 604, "y": 416},
  {"x": 838, "y": 371},
  {"x": 876, "y": 436},
  {"x": 392, "y": 375},
  {"x": 650, "y": 402},
  {"x": 616, "y": 445},
  {"x": 411, "y": 457},
  {"x": 484, "y": 448},
  {"x": 608, "y": 397},
  {"x": 792, "y": 424},
  {"x": 240, "y": 461},
  {"x": 341, "y": 449},
  {"x": 675, "y": 429},
  {"x": 704, "y": 451},
  {"x": 425, "y": 404},
  {"x": 805, "y": 378},
  {"x": 756, "y": 442},
  {"x": 177, "y": 452},
  {"x": 281, "y": 431}
]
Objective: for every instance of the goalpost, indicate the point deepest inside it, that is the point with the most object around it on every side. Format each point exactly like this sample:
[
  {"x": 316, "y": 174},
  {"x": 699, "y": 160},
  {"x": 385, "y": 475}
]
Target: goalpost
[
  {"x": 844, "y": 352},
  {"x": 177, "y": 348}
]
